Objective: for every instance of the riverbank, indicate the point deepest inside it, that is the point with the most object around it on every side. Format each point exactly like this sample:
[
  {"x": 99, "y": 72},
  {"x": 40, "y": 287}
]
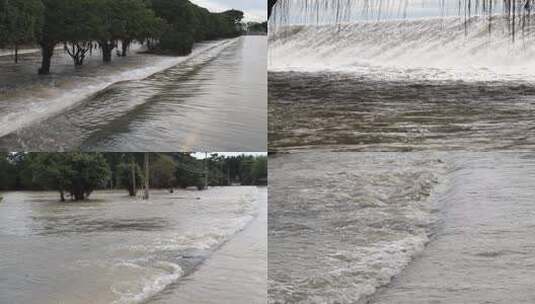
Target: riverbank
[
  {"x": 26, "y": 97},
  {"x": 113, "y": 249}
]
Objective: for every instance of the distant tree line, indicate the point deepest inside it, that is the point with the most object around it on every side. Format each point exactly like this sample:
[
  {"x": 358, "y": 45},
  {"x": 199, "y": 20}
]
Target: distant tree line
[
  {"x": 81, "y": 26},
  {"x": 257, "y": 27},
  {"x": 76, "y": 175}
]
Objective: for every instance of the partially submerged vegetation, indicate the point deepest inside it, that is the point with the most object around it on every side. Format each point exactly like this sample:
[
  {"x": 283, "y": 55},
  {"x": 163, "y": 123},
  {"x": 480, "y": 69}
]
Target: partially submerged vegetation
[
  {"x": 81, "y": 26},
  {"x": 76, "y": 175}
]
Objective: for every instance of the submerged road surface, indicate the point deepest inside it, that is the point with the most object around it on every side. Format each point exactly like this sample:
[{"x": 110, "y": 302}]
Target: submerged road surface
[
  {"x": 483, "y": 252},
  {"x": 214, "y": 100},
  {"x": 236, "y": 273}
]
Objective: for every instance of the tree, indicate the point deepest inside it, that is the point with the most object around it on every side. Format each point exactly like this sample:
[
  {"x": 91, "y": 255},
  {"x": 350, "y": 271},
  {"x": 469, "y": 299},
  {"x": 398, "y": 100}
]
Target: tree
[
  {"x": 77, "y": 174},
  {"x": 8, "y": 173},
  {"x": 188, "y": 23},
  {"x": 163, "y": 173},
  {"x": 52, "y": 171},
  {"x": 53, "y": 30},
  {"x": 260, "y": 170},
  {"x": 255, "y": 27},
  {"x": 189, "y": 171},
  {"x": 125, "y": 21},
  {"x": 20, "y": 22},
  {"x": 130, "y": 176},
  {"x": 83, "y": 22}
]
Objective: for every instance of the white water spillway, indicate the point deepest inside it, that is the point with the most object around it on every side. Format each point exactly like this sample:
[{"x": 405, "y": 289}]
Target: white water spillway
[
  {"x": 361, "y": 76},
  {"x": 363, "y": 35}
]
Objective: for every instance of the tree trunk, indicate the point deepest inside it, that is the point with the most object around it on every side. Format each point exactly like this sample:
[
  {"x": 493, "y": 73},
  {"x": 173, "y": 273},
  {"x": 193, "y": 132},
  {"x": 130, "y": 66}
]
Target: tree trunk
[
  {"x": 132, "y": 189},
  {"x": 79, "y": 195},
  {"x": 205, "y": 171},
  {"x": 47, "y": 50},
  {"x": 107, "y": 48},
  {"x": 62, "y": 195},
  {"x": 146, "y": 194},
  {"x": 125, "y": 45}
]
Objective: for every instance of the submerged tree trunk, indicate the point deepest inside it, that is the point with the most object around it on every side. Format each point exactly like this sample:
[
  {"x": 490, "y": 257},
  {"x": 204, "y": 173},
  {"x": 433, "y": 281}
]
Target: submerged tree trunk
[
  {"x": 147, "y": 175},
  {"x": 125, "y": 46},
  {"x": 47, "y": 50},
  {"x": 78, "y": 195},
  {"x": 107, "y": 48},
  {"x": 78, "y": 52},
  {"x": 132, "y": 189}
]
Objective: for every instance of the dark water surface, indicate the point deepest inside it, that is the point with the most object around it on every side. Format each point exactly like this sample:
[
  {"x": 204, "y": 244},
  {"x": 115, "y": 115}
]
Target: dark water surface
[{"x": 346, "y": 111}]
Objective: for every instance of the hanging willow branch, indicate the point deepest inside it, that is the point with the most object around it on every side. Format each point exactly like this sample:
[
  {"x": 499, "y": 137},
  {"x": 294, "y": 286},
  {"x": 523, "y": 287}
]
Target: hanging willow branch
[{"x": 517, "y": 13}]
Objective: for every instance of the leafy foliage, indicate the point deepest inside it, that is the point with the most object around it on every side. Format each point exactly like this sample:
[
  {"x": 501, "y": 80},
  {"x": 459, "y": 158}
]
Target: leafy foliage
[
  {"x": 166, "y": 26},
  {"x": 77, "y": 175},
  {"x": 20, "y": 21}
]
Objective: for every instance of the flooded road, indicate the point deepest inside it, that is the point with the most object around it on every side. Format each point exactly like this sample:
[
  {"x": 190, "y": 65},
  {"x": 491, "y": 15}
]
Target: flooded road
[
  {"x": 114, "y": 249},
  {"x": 445, "y": 227},
  {"x": 212, "y": 100},
  {"x": 483, "y": 251},
  {"x": 236, "y": 273}
]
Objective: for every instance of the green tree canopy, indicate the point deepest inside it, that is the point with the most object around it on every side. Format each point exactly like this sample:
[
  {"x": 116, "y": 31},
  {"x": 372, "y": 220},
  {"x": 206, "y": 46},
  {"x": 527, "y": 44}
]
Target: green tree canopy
[
  {"x": 20, "y": 22},
  {"x": 77, "y": 174},
  {"x": 163, "y": 173}
]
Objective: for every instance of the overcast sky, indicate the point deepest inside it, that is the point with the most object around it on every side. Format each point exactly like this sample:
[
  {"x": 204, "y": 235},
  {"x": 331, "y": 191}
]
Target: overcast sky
[{"x": 255, "y": 10}]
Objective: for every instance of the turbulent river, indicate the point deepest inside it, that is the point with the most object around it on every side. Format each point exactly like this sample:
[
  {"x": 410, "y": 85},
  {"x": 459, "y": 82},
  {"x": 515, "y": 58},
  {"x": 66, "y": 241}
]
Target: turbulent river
[
  {"x": 212, "y": 100},
  {"x": 114, "y": 249},
  {"x": 426, "y": 227},
  {"x": 399, "y": 85}
]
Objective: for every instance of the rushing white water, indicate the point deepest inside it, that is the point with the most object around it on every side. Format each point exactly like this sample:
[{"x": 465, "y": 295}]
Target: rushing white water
[
  {"x": 114, "y": 249},
  {"x": 351, "y": 228},
  {"x": 427, "y": 48},
  {"x": 418, "y": 84},
  {"x": 342, "y": 225}
]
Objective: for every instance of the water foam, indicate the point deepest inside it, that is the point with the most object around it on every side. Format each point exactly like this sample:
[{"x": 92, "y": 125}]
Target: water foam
[
  {"x": 427, "y": 48},
  {"x": 362, "y": 218},
  {"x": 160, "y": 255}
]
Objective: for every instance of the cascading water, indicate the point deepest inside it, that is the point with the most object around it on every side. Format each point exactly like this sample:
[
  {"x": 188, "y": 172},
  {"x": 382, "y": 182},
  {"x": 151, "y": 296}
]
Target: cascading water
[
  {"x": 366, "y": 75},
  {"x": 287, "y": 12}
]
